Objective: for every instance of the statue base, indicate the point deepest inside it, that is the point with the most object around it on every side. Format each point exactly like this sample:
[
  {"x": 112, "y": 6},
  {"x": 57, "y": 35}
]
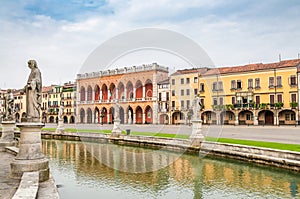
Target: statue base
[
  {"x": 196, "y": 137},
  {"x": 8, "y": 135},
  {"x": 116, "y": 132},
  {"x": 30, "y": 156},
  {"x": 60, "y": 128}
]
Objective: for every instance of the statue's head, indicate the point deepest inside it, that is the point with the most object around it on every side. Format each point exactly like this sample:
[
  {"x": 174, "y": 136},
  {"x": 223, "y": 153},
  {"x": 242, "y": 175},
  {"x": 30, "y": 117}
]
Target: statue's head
[{"x": 32, "y": 63}]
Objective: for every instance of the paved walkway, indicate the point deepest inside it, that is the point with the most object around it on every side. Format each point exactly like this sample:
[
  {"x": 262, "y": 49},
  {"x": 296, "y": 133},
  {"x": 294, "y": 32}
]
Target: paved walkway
[{"x": 8, "y": 186}]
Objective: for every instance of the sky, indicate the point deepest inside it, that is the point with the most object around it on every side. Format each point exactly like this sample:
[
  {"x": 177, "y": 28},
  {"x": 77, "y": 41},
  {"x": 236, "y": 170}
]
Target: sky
[{"x": 60, "y": 35}]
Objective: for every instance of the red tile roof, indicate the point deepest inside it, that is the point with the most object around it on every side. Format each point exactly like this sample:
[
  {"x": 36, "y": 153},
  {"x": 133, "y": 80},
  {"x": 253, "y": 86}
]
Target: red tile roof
[
  {"x": 188, "y": 71},
  {"x": 46, "y": 89}
]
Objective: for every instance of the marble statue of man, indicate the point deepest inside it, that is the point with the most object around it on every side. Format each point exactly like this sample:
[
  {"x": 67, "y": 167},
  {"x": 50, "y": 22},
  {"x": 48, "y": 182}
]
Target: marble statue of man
[
  {"x": 117, "y": 111},
  {"x": 9, "y": 106},
  {"x": 196, "y": 108},
  {"x": 33, "y": 91}
]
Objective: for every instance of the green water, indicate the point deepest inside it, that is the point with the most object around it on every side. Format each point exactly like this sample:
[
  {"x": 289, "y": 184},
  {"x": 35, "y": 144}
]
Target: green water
[{"x": 93, "y": 170}]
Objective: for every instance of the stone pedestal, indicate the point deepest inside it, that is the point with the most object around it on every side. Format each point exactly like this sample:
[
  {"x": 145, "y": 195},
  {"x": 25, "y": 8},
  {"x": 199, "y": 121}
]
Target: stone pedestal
[
  {"x": 196, "y": 137},
  {"x": 60, "y": 128},
  {"x": 8, "y": 134},
  {"x": 116, "y": 132},
  {"x": 30, "y": 156}
]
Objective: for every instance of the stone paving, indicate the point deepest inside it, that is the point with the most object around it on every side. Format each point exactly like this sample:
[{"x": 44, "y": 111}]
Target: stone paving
[{"x": 8, "y": 186}]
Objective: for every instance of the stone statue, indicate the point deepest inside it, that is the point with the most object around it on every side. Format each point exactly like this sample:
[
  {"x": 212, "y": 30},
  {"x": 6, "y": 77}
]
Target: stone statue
[
  {"x": 9, "y": 106},
  {"x": 196, "y": 107},
  {"x": 33, "y": 91},
  {"x": 60, "y": 112},
  {"x": 117, "y": 111}
]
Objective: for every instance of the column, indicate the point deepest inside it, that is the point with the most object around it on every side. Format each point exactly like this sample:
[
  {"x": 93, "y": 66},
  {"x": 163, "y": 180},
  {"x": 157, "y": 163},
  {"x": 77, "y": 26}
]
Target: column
[
  {"x": 144, "y": 118},
  {"x": 134, "y": 93},
  {"x": 125, "y": 94},
  {"x": 134, "y": 118},
  {"x": 101, "y": 95},
  {"x": 86, "y": 94},
  {"x": 144, "y": 93},
  {"x": 117, "y": 95},
  {"x": 108, "y": 95},
  {"x": 108, "y": 118},
  {"x": 93, "y": 95}
]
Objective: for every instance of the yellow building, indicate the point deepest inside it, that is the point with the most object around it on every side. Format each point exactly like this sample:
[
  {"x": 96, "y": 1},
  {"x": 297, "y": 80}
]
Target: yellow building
[
  {"x": 254, "y": 94},
  {"x": 184, "y": 88},
  {"x": 54, "y": 101},
  {"x": 68, "y": 100}
]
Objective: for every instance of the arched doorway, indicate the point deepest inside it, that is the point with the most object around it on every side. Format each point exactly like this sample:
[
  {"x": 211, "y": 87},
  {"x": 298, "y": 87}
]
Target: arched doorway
[
  {"x": 287, "y": 117},
  {"x": 82, "y": 115},
  {"x": 82, "y": 94},
  {"x": 89, "y": 116},
  {"x": 148, "y": 115},
  {"x": 104, "y": 115},
  {"x": 227, "y": 117},
  {"x": 111, "y": 115},
  {"x": 97, "y": 115},
  {"x": 269, "y": 118},
  {"x": 121, "y": 115},
  {"x": 246, "y": 118},
  {"x": 164, "y": 119},
  {"x": 51, "y": 119},
  {"x": 97, "y": 93},
  {"x": 139, "y": 90},
  {"x": 72, "y": 120},
  {"x": 130, "y": 115},
  {"x": 65, "y": 119},
  {"x": 139, "y": 115}
]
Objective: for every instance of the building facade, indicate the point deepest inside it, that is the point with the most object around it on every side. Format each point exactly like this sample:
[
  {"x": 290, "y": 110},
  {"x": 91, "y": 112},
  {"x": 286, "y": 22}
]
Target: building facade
[{"x": 134, "y": 89}]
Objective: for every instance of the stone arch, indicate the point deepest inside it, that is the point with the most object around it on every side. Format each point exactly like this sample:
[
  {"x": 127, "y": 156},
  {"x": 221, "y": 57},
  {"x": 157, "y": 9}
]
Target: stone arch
[
  {"x": 89, "y": 116},
  {"x": 72, "y": 119},
  {"x": 138, "y": 90},
  {"x": 227, "y": 117},
  {"x": 96, "y": 115},
  {"x": 89, "y": 93},
  {"x": 23, "y": 115},
  {"x": 130, "y": 115},
  {"x": 266, "y": 117},
  {"x": 97, "y": 92},
  {"x": 104, "y": 92},
  {"x": 65, "y": 120},
  {"x": 82, "y": 94},
  {"x": 112, "y": 90},
  {"x": 51, "y": 119},
  {"x": 246, "y": 117},
  {"x": 104, "y": 115},
  {"x": 148, "y": 115},
  {"x": 209, "y": 117},
  {"x": 163, "y": 119},
  {"x": 287, "y": 117},
  {"x": 111, "y": 114},
  {"x": 82, "y": 115},
  {"x": 139, "y": 115},
  {"x": 178, "y": 117},
  {"x": 129, "y": 88},
  {"x": 121, "y": 91},
  {"x": 149, "y": 89}
]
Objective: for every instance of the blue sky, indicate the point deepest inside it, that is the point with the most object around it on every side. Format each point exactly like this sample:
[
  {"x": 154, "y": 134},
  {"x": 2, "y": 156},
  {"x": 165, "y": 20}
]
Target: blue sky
[{"x": 60, "y": 35}]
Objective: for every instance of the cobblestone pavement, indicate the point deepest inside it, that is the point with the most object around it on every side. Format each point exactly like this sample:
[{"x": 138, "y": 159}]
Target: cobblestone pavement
[{"x": 8, "y": 186}]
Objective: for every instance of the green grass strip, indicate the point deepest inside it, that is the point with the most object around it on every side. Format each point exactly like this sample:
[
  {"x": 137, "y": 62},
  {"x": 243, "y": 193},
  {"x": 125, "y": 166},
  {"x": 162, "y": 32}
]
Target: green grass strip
[{"x": 272, "y": 145}]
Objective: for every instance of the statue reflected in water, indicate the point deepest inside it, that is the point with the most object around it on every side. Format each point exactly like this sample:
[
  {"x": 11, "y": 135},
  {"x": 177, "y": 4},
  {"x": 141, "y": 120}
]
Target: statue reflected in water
[{"x": 33, "y": 91}]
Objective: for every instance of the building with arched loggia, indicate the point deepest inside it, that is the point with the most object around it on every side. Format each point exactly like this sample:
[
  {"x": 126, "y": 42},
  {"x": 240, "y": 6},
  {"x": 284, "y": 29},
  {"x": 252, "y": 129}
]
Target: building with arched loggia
[{"x": 133, "y": 88}]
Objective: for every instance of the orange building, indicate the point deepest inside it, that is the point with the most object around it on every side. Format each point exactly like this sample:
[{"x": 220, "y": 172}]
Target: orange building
[{"x": 133, "y": 88}]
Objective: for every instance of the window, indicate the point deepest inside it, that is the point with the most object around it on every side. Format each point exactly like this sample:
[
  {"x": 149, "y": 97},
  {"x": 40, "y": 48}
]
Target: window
[
  {"x": 271, "y": 82},
  {"x": 278, "y": 81},
  {"x": 293, "y": 80},
  {"x": 173, "y": 92},
  {"x": 220, "y": 86},
  {"x": 293, "y": 97},
  {"x": 182, "y": 104},
  {"x": 215, "y": 101},
  {"x": 195, "y": 79},
  {"x": 195, "y": 91},
  {"x": 182, "y": 92},
  {"x": 232, "y": 100},
  {"x": 248, "y": 116},
  {"x": 257, "y": 99},
  {"x": 187, "y": 80},
  {"x": 279, "y": 98},
  {"x": 271, "y": 99},
  {"x": 187, "y": 104},
  {"x": 257, "y": 83},
  {"x": 214, "y": 88},
  {"x": 182, "y": 81},
  {"x": 202, "y": 102},
  {"x": 239, "y": 84},
  {"x": 287, "y": 116},
  {"x": 221, "y": 101},
  {"x": 202, "y": 87},
  {"x": 173, "y": 104},
  {"x": 187, "y": 92},
  {"x": 293, "y": 116},
  {"x": 250, "y": 83},
  {"x": 167, "y": 96},
  {"x": 173, "y": 81},
  {"x": 233, "y": 85},
  {"x": 159, "y": 96}
]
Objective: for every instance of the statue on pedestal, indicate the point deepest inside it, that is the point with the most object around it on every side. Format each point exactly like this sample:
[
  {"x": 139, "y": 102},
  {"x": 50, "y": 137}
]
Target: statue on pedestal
[
  {"x": 196, "y": 107},
  {"x": 60, "y": 112},
  {"x": 33, "y": 91},
  {"x": 9, "y": 106}
]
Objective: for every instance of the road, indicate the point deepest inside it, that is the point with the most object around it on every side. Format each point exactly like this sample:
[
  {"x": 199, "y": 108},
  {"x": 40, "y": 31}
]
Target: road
[{"x": 282, "y": 134}]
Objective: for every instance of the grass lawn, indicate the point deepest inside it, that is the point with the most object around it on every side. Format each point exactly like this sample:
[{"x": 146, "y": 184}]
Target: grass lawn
[{"x": 272, "y": 145}]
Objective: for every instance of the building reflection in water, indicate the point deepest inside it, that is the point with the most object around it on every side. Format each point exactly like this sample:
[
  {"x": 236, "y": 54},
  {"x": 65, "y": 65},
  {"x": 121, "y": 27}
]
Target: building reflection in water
[{"x": 154, "y": 170}]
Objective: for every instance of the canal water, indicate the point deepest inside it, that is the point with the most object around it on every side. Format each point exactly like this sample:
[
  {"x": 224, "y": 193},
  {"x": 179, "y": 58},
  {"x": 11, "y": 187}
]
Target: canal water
[{"x": 99, "y": 170}]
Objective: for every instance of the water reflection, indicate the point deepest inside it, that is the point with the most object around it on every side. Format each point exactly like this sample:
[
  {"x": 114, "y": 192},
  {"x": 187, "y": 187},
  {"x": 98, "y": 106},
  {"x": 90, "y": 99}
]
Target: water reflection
[{"x": 94, "y": 170}]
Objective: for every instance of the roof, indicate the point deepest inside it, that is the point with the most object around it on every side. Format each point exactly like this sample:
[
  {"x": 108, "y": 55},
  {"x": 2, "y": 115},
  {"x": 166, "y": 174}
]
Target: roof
[
  {"x": 253, "y": 67},
  {"x": 46, "y": 89},
  {"x": 166, "y": 81},
  {"x": 189, "y": 71}
]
